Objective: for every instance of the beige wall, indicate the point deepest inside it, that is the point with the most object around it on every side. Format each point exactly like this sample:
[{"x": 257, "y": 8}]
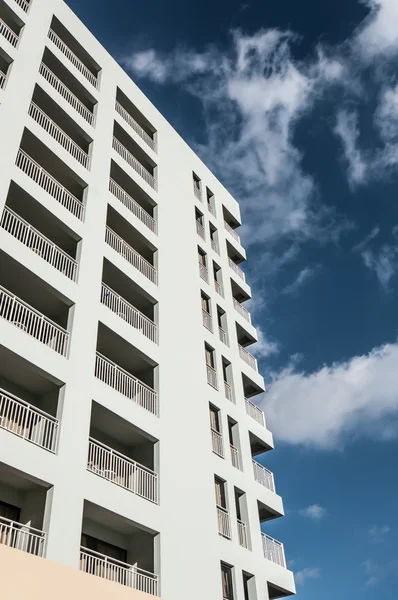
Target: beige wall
[{"x": 25, "y": 576}]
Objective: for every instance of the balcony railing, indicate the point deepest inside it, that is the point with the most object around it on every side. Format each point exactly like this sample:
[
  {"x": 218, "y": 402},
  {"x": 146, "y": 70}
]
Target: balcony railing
[
  {"x": 235, "y": 458},
  {"x": 22, "y": 537},
  {"x": 28, "y": 422},
  {"x": 133, "y": 162},
  {"x": 228, "y": 392},
  {"x": 3, "y": 80},
  {"x": 232, "y": 232},
  {"x": 217, "y": 443},
  {"x": 123, "y": 471},
  {"x": 203, "y": 272},
  {"x": 218, "y": 288},
  {"x": 36, "y": 241},
  {"x": 200, "y": 230},
  {"x": 207, "y": 320},
  {"x": 65, "y": 92},
  {"x": 255, "y": 412},
  {"x": 273, "y": 550},
  {"x": 132, "y": 205},
  {"x": 223, "y": 336},
  {"x": 23, "y": 4},
  {"x": 242, "y": 310},
  {"x": 8, "y": 34},
  {"x": 211, "y": 208},
  {"x": 134, "y": 125},
  {"x": 49, "y": 184},
  {"x": 131, "y": 255},
  {"x": 248, "y": 358},
  {"x": 73, "y": 58},
  {"x": 32, "y": 322},
  {"x": 196, "y": 190},
  {"x": 114, "y": 570},
  {"x": 224, "y": 525},
  {"x": 126, "y": 384},
  {"x": 128, "y": 313},
  {"x": 212, "y": 376},
  {"x": 242, "y": 533},
  {"x": 59, "y": 135},
  {"x": 263, "y": 476},
  {"x": 236, "y": 269}
]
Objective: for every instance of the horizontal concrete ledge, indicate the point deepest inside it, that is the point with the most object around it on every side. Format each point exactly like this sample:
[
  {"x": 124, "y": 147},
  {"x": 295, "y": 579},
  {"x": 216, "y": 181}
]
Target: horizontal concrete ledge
[{"x": 27, "y": 576}]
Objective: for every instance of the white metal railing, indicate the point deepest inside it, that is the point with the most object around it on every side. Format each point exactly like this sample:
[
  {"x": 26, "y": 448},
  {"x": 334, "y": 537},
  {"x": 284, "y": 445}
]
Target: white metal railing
[
  {"x": 212, "y": 376},
  {"x": 65, "y": 92},
  {"x": 232, "y": 232},
  {"x": 32, "y": 322},
  {"x": 247, "y": 357},
  {"x": 23, "y": 4},
  {"x": 203, "y": 272},
  {"x": 200, "y": 230},
  {"x": 132, "y": 205},
  {"x": 218, "y": 288},
  {"x": 255, "y": 412},
  {"x": 80, "y": 66},
  {"x": 133, "y": 162},
  {"x": 235, "y": 459},
  {"x": 59, "y": 135},
  {"x": 49, "y": 184},
  {"x": 223, "y": 335},
  {"x": 211, "y": 208},
  {"x": 214, "y": 246},
  {"x": 207, "y": 320},
  {"x": 228, "y": 392},
  {"x": 224, "y": 525},
  {"x": 242, "y": 310},
  {"x": 131, "y": 255},
  {"x": 126, "y": 384},
  {"x": 134, "y": 125},
  {"x": 22, "y": 537},
  {"x": 8, "y": 33},
  {"x": 217, "y": 443},
  {"x": 242, "y": 533},
  {"x": 28, "y": 422},
  {"x": 3, "y": 80},
  {"x": 236, "y": 269},
  {"x": 39, "y": 243},
  {"x": 273, "y": 550},
  {"x": 114, "y": 570},
  {"x": 128, "y": 313},
  {"x": 120, "y": 469},
  {"x": 196, "y": 190},
  {"x": 263, "y": 476}
]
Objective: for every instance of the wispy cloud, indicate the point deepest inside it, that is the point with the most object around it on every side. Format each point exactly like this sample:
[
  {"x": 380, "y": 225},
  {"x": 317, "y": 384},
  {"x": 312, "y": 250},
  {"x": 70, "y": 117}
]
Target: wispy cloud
[
  {"x": 309, "y": 573},
  {"x": 304, "y": 275},
  {"x": 314, "y": 512},
  {"x": 366, "y": 240},
  {"x": 377, "y": 533},
  {"x": 384, "y": 263},
  {"x": 346, "y": 129}
]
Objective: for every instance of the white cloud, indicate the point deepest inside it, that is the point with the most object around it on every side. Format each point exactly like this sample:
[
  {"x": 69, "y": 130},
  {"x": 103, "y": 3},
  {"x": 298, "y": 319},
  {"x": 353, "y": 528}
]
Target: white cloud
[
  {"x": 363, "y": 243},
  {"x": 313, "y": 512},
  {"x": 302, "y": 576},
  {"x": 304, "y": 275},
  {"x": 384, "y": 264},
  {"x": 347, "y": 399},
  {"x": 378, "y": 532},
  {"x": 379, "y": 33},
  {"x": 264, "y": 347},
  {"x": 347, "y": 130}
]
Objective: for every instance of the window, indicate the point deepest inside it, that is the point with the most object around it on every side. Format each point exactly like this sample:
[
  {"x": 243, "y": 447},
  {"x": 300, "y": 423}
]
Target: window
[
  {"x": 226, "y": 579},
  {"x": 202, "y": 257},
  {"x": 220, "y": 492},
  {"x": 205, "y": 303},
  {"x": 209, "y": 357},
  {"x": 196, "y": 186},
  {"x": 92, "y": 543},
  {"x": 214, "y": 419},
  {"x": 210, "y": 202}
]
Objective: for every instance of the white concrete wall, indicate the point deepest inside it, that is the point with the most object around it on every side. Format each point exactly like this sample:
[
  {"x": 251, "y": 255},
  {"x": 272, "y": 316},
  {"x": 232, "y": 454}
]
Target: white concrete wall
[{"x": 190, "y": 547}]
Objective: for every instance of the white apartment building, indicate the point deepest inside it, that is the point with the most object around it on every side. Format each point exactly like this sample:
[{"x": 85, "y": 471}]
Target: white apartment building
[{"x": 129, "y": 432}]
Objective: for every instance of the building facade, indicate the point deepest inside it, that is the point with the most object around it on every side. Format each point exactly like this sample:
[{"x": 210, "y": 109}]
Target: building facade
[{"x": 129, "y": 433}]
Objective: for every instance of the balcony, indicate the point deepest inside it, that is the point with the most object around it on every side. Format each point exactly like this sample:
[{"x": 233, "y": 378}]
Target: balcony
[
  {"x": 134, "y": 156},
  {"x": 242, "y": 311},
  {"x": 196, "y": 189},
  {"x": 232, "y": 232},
  {"x": 214, "y": 247},
  {"x": 71, "y": 56},
  {"x": 217, "y": 443},
  {"x": 236, "y": 269},
  {"x": 242, "y": 534},
  {"x": 128, "y": 313},
  {"x": 126, "y": 384},
  {"x": 200, "y": 230},
  {"x": 273, "y": 550},
  {"x": 22, "y": 537},
  {"x": 132, "y": 205},
  {"x": 235, "y": 458},
  {"x": 24, "y": 4},
  {"x": 207, "y": 320},
  {"x": 223, "y": 336},
  {"x": 218, "y": 288},
  {"x": 6, "y": 32},
  {"x": 203, "y": 272},
  {"x": 224, "y": 525},
  {"x": 135, "y": 126},
  {"x": 38, "y": 243},
  {"x": 255, "y": 412},
  {"x": 131, "y": 255},
  {"x": 28, "y": 422},
  {"x": 121, "y": 470},
  {"x": 212, "y": 376},
  {"x": 3, "y": 80},
  {"x": 228, "y": 392},
  {"x": 248, "y": 358},
  {"x": 263, "y": 476}
]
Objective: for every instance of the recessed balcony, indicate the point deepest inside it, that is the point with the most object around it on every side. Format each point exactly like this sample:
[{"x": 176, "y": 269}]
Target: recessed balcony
[
  {"x": 134, "y": 156},
  {"x": 236, "y": 269},
  {"x": 217, "y": 443},
  {"x": 3, "y": 80},
  {"x": 242, "y": 534},
  {"x": 197, "y": 187},
  {"x": 273, "y": 550},
  {"x": 207, "y": 320},
  {"x": 24, "y": 4},
  {"x": 203, "y": 272},
  {"x": 228, "y": 392},
  {"x": 132, "y": 205},
  {"x": 242, "y": 311},
  {"x": 200, "y": 229},
  {"x": 232, "y": 232},
  {"x": 255, "y": 412},
  {"x": 136, "y": 120},
  {"x": 235, "y": 458},
  {"x": 135, "y": 126},
  {"x": 212, "y": 376},
  {"x": 224, "y": 523},
  {"x": 130, "y": 255},
  {"x": 10, "y": 26},
  {"x": 223, "y": 336},
  {"x": 263, "y": 476},
  {"x": 248, "y": 358}
]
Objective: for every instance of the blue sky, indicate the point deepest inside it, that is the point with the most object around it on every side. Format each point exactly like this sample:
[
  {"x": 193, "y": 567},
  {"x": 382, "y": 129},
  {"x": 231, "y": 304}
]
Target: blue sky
[{"x": 294, "y": 105}]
